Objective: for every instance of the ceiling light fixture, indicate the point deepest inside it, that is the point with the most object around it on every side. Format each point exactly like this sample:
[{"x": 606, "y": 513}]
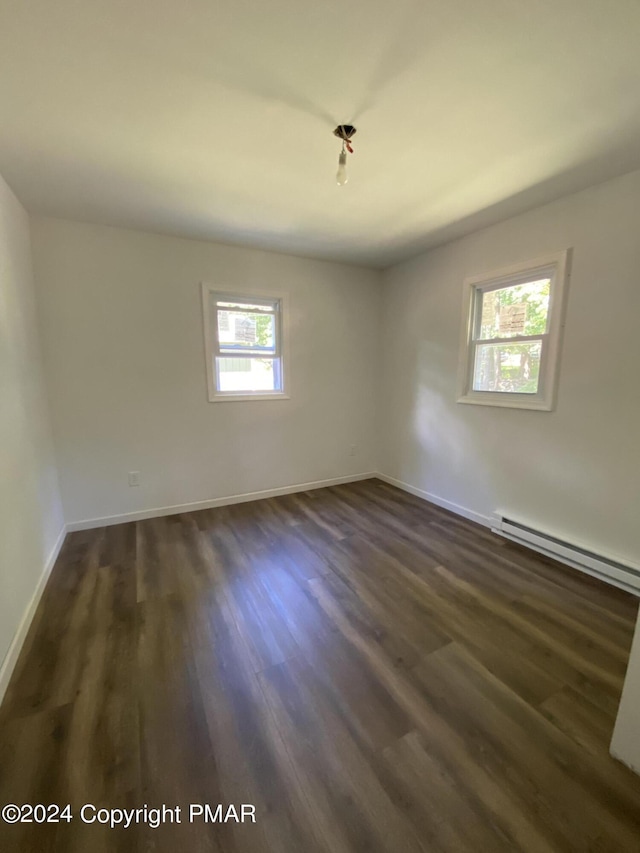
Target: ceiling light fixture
[{"x": 344, "y": 132}]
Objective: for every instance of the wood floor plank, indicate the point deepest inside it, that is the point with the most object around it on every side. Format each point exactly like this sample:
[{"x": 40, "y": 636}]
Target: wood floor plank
[
  {"x": 251, "y": 760},
  {"x": 425, "y": 607},
  {"x": 587, "y": 724},
  {"x": 332, "y": 768},
  {"x": 445, "y": 820},
  {"x": 542, "y": 767},
  {"x": 441, "y": 738},
  {"x": 366, "y": 670}
]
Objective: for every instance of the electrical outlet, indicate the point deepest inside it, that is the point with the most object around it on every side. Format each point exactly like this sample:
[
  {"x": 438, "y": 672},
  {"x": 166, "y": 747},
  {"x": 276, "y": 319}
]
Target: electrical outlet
[
  {"x": 352, "y": 450},
  {"x": 134, "y": 478}
]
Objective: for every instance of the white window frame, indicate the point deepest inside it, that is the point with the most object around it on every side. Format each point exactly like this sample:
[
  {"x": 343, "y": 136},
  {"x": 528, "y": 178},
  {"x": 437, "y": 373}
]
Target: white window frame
[
  {"x": 210, "y": 296},
  {"x": 554, "y": 266}
]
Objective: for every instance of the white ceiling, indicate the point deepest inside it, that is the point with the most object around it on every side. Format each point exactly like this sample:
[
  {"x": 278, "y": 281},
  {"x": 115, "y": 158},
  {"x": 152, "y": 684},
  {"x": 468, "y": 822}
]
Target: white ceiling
[{"x": 213, "y": 118}]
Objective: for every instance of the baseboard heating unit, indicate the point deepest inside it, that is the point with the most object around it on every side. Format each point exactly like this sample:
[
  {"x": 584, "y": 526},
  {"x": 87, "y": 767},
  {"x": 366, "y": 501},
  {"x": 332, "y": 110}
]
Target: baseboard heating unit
[{"x": 612, "y": 571}]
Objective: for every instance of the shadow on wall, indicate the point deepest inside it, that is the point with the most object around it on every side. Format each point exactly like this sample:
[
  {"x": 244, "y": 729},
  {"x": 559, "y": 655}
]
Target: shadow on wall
[
  {"x": 545, "y": 480},
  {"x": 487, "y": 459},
  {"x": 440, "y": 464}
]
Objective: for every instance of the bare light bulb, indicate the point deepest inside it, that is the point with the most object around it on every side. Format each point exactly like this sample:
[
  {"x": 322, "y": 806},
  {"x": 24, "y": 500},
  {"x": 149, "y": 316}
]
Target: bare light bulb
[{"x": 341, "y": 174}]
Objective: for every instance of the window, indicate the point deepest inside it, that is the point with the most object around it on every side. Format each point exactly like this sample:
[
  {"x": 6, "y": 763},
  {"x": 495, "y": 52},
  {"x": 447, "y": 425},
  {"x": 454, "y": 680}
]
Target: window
[
  {"x": 243, "y": 344},
  {"x": 513, "y": 320}
]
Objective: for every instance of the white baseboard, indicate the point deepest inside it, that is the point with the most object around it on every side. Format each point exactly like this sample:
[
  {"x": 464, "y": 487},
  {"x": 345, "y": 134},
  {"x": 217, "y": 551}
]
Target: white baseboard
[
  {"x": 485, "y": 520},
  {"x": 11, "y": 658},
  {"x": 157, "y": 512}
]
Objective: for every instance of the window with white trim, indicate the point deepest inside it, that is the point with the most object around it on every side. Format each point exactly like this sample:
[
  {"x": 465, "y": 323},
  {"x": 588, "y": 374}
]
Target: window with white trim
[
  {"x": 513, "y": 320},
  {"x": 244, "y": 345}
]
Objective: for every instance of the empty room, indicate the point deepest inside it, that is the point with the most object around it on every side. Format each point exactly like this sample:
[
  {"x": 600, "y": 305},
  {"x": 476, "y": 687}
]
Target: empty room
[{"x": 319, "y": 426}]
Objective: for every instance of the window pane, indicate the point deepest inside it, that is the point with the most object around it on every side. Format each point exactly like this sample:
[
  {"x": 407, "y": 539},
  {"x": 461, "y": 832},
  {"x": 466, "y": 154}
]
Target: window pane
[
  {"x": 245, "y": 330},
  {"x": 248, "y": 374},
  {"x": 513, "y": 368},
  {"x": 521, "y": 309}
]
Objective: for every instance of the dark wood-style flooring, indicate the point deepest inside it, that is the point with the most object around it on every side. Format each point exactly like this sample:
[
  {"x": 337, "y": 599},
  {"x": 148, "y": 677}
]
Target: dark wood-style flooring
[{"x": 371, "y": 672}]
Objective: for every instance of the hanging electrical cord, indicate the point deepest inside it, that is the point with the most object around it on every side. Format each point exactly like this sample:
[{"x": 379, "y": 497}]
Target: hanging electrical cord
[
  {"x": 341, "y": 174},
  {"x": 344, "y": 132}
]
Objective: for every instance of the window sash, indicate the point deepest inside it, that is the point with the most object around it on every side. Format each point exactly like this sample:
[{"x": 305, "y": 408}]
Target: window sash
[
  {"x": 473, "y": 347},
  {"x": 516, "y": 339},
  {"x": 277, "y": 373},
  {"x": 504, "y": 284},
  {"x": 229, "y": 350},
  {"x": 544, "y": 354}
]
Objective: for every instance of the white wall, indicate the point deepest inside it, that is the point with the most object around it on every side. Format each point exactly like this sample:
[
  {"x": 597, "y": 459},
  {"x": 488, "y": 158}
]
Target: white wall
[
  {"x": 31, "y": 521},
  {"x": 574, "y": 471},
  {"x": 124, "y": 351}
]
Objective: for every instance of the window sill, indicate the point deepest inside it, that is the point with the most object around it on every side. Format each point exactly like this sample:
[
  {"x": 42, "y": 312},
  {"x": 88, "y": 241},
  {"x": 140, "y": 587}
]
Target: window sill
[{"x": 245, "y": 398}]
